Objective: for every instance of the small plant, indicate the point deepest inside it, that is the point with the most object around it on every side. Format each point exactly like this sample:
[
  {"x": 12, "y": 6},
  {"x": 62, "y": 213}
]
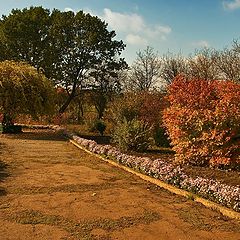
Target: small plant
[
  {"x": 97, "y": 126},
  {"x": 190, "y": 196},
  {"x": 100, "y": 126},
  {"x": 133, "y": 135}
]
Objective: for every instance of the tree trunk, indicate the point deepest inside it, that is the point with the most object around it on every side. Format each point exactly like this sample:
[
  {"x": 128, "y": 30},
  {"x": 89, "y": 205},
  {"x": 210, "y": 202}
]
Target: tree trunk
[
  {"x": 69, "y": 99},
  {"x": 66, "y": 104}
]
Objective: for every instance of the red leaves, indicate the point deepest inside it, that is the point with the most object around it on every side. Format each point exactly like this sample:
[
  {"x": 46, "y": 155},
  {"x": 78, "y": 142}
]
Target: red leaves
[{"x": 202, "y": 120}]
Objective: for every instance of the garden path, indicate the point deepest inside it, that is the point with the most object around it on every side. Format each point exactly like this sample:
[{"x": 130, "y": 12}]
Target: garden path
[{"x": 51, "y": 190}]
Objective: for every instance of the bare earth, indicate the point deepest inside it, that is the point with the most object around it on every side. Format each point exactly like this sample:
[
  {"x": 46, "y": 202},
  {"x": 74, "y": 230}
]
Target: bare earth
[{"x": 49, "y": 189}]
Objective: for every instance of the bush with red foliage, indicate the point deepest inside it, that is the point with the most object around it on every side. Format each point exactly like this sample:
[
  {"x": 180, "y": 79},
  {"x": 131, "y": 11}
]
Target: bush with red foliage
[
  {"x": 203, "y": 121},
  {"x": 152, "y": 105}
]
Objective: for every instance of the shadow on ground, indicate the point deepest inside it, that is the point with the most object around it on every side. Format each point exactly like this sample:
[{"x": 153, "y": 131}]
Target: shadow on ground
[
  {"x": 3, "y": 174},
  {"x": 38, "y": 135}
]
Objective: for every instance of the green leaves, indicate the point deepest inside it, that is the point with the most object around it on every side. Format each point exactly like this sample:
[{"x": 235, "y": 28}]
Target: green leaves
[{"x": 66, "y": 45}]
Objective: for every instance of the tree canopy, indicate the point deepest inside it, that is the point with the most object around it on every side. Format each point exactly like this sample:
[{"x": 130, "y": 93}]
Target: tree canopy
[
  {"x": 23, "y": 90},
  {"x": 68, "y": 46},
  {"x": 145, "y": 71}
]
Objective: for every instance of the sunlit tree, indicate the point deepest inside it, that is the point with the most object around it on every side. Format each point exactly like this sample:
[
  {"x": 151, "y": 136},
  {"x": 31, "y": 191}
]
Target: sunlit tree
[{"x": 23, "y": 90}]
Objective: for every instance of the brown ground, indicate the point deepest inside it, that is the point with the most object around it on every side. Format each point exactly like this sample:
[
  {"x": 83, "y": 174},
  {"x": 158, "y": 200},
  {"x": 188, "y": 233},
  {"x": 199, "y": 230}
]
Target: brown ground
[{"x": 49, "y": 189}]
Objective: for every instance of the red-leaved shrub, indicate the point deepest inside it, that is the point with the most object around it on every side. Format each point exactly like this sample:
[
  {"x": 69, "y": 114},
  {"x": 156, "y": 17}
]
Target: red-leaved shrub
[{"x": 203, "y": 121}]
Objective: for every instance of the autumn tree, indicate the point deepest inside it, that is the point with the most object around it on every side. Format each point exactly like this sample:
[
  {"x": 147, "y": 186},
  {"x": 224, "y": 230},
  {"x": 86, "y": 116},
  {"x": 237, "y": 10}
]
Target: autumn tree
[
  {"x": 145, "y": 71},
  {"x": 23, "y": 90},
  {"x": 66, "y": 45},
  {"x": 173, "y": 65},
  {"x": 203, "y": 121},
  {"x": 202, "y": 65}
]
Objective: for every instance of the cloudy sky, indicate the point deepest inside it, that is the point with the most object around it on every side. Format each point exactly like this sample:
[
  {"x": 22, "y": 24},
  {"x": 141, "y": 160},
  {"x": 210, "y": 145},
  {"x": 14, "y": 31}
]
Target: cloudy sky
[{"x": 166, "y": 25}]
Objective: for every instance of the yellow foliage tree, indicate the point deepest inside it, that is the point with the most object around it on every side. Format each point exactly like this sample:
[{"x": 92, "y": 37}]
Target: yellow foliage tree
[{"x": 23, "y": 90}]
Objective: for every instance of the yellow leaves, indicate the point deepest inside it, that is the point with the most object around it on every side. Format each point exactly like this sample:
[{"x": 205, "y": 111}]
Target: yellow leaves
[{"x": 23, "y": 89}]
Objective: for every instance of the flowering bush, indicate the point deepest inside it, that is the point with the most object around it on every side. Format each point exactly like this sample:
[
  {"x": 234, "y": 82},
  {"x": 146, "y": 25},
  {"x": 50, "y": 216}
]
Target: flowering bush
[
  {"x": 203, "y": 120},
  {"x": 214, "y": 190}
]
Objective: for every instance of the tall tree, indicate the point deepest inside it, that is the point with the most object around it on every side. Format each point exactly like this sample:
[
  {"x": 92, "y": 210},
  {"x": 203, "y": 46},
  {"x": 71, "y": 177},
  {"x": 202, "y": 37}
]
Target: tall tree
[
  {"x": 66, "y": 45},
  {"x": 173, "y": 65},
  {"x": 203, "y": 65},
  {"x": 24, "y": 36},
  {"x": 105, "y": 83},
  {"x": 228, "y": 62},
  {"x": 145, "y": 71}
]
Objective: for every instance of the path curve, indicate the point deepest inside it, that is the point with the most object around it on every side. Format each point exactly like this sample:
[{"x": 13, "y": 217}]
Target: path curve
[{"x": 51, "y": 190}]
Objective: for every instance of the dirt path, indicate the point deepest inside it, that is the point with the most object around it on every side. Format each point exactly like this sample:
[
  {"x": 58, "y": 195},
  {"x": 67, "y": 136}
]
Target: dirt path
[{"x": 49, "y": 189}]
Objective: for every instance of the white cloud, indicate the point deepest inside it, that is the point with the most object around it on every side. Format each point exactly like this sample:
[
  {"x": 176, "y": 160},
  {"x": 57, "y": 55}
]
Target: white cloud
[
  {"x": 88, "y": 10},
  {"x": 123, "y": 22},
  {"x": 136, "y": 40},
  {"x": 158, "y": 31},
  {"x": 232, "y": 5},
  {"x": 134, "y": 27},
  {"x": 68, "y": 9},
  {"x": 202, "y": 44}
]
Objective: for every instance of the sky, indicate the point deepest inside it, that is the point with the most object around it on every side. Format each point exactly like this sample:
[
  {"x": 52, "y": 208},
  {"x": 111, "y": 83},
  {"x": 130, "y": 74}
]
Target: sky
[{"x": 177, "y": 26}]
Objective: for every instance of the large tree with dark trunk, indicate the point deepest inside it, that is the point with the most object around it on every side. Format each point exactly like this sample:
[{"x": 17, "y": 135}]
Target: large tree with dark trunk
[{"x": 68, "y": 46}]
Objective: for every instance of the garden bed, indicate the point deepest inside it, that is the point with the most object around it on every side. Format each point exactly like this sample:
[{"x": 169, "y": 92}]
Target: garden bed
[
  {"x": 220, "y": 186},
  {"x": 228, "y": 176},
  {"x": 209, "y": 186}
]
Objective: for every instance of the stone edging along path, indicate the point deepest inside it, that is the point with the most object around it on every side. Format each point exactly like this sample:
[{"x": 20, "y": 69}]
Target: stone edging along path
[
  {"x": 210, "y": 204},
  {"x": 225, "y": 211}
]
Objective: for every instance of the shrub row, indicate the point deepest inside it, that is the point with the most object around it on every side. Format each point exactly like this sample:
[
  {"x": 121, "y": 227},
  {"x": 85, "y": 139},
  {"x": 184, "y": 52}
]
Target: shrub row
[{"x": 224, "y": 194}]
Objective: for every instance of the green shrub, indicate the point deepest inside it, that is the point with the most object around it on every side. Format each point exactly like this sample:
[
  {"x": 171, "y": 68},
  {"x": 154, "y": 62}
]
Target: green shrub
[
  {"x": 133, "y": 135},
  {"x": 97, "y": 126},
  {"x": 100, "y": 126},
  {"x": 12, "y": 129}
]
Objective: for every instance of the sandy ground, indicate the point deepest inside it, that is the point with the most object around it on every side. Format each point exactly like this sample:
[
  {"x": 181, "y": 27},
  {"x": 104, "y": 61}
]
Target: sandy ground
[{"x": 49, "y": 189}]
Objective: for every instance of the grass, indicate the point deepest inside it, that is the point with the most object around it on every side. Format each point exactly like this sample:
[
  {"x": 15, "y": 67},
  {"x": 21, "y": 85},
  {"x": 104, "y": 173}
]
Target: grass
[{"x": 83, "y": 229}]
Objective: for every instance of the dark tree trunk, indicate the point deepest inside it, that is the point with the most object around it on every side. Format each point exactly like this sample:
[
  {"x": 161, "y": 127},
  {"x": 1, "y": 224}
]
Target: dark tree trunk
[
  {"x": 69, "y": 99},
  {"x": 66, "y": 104}
]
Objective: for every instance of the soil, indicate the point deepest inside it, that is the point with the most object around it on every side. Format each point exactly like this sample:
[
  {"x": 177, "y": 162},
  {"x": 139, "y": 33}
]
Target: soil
[{"x": 49, "y": 189}]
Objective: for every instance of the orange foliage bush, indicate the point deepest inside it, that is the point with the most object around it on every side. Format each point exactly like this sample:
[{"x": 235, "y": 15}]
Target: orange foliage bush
[
  {"x": 152, "y": 105},
  {"x": 203, "y": 121}
]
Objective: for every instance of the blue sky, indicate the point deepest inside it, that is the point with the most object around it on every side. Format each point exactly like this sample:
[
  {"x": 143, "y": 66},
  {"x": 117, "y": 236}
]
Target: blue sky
[{"x": 166, "y": 25}]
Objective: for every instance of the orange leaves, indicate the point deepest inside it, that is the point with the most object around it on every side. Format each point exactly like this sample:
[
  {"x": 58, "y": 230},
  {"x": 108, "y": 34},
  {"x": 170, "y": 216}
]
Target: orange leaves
[{"x": 202, "y": 120}]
